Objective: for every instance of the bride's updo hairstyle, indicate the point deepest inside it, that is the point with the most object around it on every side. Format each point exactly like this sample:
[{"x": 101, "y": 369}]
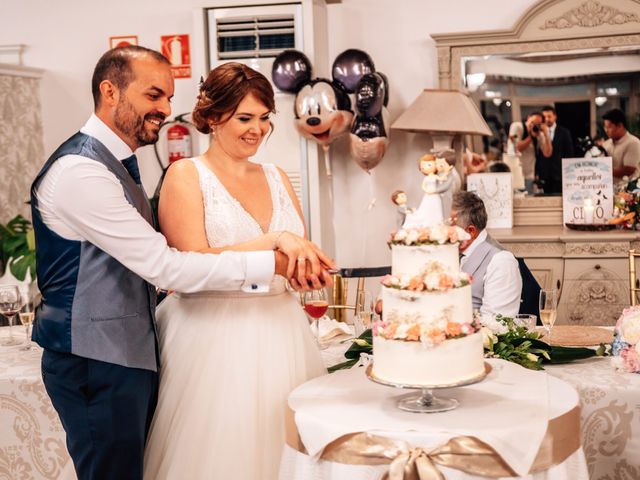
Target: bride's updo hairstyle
[{"x": 224, "y": 89}]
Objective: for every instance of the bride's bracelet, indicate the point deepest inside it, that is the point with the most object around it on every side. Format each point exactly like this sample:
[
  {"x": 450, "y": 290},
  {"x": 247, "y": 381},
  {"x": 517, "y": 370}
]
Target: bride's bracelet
[{"x": 275, "y": 241}]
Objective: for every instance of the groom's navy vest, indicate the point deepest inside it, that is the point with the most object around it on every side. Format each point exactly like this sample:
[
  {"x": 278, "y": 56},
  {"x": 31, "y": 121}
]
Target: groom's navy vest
[{"x": 92, "y": 305}]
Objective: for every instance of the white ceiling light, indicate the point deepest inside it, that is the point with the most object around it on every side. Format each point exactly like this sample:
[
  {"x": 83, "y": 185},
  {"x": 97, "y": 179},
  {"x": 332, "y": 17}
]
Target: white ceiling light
[{"x": 600, "y": 101}]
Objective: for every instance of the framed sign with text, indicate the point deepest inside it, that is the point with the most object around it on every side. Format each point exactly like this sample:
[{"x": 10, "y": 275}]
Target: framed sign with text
[
  {"x": 495, "y": 190},
  {"x": 587, "y": 190}
]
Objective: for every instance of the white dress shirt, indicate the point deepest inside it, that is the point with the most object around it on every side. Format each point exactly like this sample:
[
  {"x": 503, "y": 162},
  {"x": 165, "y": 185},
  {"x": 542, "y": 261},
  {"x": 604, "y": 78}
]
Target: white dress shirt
[
  {"x": 502, "y": 281},
  {"x": 80, "y": 199}
]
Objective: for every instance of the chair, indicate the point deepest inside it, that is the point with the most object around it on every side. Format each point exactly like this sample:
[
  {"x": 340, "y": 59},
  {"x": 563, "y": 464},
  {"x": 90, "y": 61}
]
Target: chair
[
  {"x": 529, "y": 298},
  {"x": 341, "y": 287},
  {"x": 634, "y": 285}
]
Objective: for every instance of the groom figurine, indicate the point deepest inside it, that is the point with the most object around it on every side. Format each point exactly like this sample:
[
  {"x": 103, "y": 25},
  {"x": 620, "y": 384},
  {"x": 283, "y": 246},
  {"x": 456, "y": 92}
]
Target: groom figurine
[{"x": 98, "y": 259}]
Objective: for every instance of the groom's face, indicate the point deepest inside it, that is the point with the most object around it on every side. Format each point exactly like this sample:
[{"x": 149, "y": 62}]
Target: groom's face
[{"x": 145, "y": 103}]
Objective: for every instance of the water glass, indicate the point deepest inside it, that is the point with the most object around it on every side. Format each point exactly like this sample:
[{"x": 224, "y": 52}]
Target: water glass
[{"x": 525, "y": 320}]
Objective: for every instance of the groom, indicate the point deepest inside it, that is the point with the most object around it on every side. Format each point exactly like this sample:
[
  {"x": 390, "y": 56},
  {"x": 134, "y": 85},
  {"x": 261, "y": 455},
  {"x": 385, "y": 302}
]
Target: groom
[{"x": 98, "y": 258}]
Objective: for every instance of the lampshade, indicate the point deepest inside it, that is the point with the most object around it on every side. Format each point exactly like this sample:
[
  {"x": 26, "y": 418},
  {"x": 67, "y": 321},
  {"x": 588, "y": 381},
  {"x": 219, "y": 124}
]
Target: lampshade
[{"x": 442, "y": 112}]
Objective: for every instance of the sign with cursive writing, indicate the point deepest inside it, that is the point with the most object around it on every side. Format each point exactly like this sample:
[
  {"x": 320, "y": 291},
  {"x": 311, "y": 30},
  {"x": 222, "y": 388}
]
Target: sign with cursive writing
[
  {"x": 587, "y": 190},
  {"x": 497, "y": 194}
]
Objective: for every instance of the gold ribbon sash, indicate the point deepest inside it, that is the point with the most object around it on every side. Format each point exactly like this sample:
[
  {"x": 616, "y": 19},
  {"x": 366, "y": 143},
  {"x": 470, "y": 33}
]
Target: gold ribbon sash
[{"x": 465, "y": 453}]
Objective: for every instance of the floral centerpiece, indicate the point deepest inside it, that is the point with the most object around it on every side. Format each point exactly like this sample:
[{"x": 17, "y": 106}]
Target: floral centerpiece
[
  {"x": 626, "y": 206},
  {"x": 502, "y": 338},
  {"x": 626, "y": 341}
]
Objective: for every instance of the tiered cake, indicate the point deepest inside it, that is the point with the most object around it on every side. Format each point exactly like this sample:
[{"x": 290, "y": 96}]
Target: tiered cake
[{"x": 428, "y": 335}]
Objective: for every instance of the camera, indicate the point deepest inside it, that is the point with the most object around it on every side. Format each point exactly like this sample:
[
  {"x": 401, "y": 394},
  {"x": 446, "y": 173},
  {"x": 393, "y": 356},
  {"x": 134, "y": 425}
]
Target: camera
[{"x": 535, "y": 128}]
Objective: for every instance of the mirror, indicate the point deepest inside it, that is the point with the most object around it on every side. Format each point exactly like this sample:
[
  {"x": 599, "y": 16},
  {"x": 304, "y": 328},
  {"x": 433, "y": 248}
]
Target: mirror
[
  {"x": 581, "y": 85},
  {"x": 581, "y": 56}
]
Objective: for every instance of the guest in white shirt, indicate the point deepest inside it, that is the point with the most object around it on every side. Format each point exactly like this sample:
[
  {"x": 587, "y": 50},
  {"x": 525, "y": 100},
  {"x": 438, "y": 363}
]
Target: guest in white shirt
[
  {"x": 497, "y": 285},
  {"x": 623, "y": 147}
]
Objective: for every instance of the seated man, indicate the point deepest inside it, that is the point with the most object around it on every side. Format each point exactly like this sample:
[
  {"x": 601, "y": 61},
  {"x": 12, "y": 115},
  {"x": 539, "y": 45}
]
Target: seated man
[{"x": 497, "y": 285}]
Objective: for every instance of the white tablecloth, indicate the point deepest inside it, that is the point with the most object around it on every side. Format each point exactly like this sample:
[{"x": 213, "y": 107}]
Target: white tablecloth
[
  {"x": 610, "y": 417},
  {"x": 32, "y": 441},
  {"x": 509, "y": 410}
]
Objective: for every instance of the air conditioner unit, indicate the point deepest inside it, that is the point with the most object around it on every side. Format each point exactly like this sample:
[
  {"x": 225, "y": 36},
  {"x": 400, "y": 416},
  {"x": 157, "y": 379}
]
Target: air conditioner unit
[{"x": 255, "y": 35}]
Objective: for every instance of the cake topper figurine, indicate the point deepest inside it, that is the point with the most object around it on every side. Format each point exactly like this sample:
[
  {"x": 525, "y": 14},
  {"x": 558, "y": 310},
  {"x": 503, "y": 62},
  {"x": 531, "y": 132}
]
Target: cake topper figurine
[
  {"x": 399, "y": 198},
  {"x": 437, "y": 180}
]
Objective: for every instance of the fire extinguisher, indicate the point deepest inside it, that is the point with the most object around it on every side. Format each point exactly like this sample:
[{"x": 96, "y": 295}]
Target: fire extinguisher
[{"x": 178, "y": 142}]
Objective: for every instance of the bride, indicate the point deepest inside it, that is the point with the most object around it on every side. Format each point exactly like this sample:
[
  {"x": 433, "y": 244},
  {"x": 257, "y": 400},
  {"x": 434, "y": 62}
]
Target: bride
[{"x": 230, "y": 359}]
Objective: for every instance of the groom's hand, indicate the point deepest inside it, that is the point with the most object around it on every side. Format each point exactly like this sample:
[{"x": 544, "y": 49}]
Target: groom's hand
[{"x": 307, "y": 264}]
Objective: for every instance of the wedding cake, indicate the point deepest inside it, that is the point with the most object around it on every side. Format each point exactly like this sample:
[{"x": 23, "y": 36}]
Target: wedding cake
[{"x": 428, "y": 334}]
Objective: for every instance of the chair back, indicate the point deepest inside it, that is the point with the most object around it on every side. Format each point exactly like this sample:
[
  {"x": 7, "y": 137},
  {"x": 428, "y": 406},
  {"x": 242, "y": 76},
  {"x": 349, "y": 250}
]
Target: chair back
[
  {"x": 529, "y": 298},
  {"x": 341, "y": 288},
  {"x": 634, "y": 285}
]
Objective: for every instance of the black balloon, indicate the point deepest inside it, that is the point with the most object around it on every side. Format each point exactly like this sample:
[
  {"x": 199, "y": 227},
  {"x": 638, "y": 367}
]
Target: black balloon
[
  {"x": 290, "y": 70},
  {"x": 349, "y": 67},
  {"x": 371, "y": 94}
]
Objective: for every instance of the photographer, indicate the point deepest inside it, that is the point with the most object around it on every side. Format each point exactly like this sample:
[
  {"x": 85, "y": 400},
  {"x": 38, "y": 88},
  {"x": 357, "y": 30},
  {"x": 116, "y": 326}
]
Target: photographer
[{"x": 530, "y": 141}]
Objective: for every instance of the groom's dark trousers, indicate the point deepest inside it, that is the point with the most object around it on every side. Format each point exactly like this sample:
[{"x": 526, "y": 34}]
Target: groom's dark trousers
[{"x": 105, "y": 409}]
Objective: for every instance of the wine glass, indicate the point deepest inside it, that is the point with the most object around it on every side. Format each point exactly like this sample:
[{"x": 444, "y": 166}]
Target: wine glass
[
  {"x": 26, "y": 316},
  {"x": 315, "y": 304},
  {"x": 10, "y": 304},
  {"x": 364, "y": 312},
  {"x": 548, "y": 309}
]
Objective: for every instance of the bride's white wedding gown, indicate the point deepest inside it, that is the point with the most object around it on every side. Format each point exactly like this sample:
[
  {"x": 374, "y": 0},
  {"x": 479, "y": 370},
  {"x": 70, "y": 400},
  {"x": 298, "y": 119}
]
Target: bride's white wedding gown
[{"x": 229, "y": 360}]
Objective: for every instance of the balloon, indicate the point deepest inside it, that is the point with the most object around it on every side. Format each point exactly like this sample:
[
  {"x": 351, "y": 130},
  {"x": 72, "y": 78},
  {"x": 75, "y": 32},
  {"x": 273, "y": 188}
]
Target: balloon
[
  {"x": 371, "y": 94},
  {"x": 291, "y": 69},
  {"x": 349, "y": 67},
  {"x": 322, "y": 112},
  {"x": 368, "y": 141}
]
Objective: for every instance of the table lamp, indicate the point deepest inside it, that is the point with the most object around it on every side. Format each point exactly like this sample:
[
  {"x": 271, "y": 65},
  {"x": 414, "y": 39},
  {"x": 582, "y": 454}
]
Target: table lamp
[{"x": 446, "y": 115}]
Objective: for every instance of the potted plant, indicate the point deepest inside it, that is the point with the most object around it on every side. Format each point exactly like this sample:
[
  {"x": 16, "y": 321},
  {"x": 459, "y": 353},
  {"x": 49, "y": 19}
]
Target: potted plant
[{"x": 17, "y": 251}]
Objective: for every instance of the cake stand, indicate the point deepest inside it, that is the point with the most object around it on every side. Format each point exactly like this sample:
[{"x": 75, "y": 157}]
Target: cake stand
[{"x": 426, "y": 401}]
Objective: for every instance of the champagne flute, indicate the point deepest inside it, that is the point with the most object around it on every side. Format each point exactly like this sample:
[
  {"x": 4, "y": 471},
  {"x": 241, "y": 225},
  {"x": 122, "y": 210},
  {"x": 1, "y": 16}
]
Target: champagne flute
[
  {"x": 315, "y": 304},
  {"x": 26, "y": 316},
  {"x": 548, "y": 309},
  {"x": 364, "y": 312},
  {"x": 10, "y": 304}
]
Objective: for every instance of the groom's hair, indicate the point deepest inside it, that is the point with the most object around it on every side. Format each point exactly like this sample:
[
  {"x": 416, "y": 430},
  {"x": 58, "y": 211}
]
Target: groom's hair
[
  {"x": 470, "y": 210},
  {"x": 224, "y": 89},
  {"x": 115, "y": 66}
]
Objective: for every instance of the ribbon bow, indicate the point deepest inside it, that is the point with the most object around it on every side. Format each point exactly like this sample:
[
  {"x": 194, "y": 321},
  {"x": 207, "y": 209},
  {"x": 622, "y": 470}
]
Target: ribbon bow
[{"x": 408, "y": 463}]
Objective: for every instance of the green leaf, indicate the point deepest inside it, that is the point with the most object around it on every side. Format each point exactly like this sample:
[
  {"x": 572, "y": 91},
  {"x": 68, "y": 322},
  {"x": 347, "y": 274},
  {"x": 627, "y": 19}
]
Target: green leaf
[{"x": 343, "y": 365}]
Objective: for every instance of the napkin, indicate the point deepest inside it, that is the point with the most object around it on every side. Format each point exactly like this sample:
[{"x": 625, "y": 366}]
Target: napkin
[{"x": 327, "y": 329}]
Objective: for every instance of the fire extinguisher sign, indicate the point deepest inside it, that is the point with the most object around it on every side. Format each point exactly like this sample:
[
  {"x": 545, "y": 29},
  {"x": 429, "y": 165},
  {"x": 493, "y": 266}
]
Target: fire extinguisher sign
[{"x": 176, "y": 49}]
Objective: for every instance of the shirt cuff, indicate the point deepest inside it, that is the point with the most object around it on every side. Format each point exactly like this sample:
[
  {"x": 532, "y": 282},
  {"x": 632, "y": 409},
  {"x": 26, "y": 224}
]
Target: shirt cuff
[{"x": 259, "y": 271}]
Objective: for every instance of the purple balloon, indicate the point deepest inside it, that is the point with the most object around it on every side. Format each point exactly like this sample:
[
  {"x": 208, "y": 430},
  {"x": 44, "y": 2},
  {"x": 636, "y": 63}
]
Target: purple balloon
[
  {"x": 371, "y": 94},
  {"x": 350, "y": 66},
  {"x": 291, "y": 69}
]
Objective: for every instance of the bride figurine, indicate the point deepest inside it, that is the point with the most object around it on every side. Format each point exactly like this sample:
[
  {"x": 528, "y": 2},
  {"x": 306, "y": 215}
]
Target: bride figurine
[{"x": 437, "y": 180}]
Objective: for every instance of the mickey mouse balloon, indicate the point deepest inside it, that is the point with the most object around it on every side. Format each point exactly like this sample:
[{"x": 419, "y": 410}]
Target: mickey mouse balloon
[{"x": 322, "y": 107}]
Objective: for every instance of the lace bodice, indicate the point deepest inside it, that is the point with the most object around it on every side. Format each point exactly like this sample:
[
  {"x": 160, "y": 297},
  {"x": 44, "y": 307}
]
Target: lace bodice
[{"x": 228, "y": 223}]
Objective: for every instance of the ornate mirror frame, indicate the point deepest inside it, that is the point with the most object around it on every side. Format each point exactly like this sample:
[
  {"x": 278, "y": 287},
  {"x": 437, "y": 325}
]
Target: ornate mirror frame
[{"x": 548, "y": 26}]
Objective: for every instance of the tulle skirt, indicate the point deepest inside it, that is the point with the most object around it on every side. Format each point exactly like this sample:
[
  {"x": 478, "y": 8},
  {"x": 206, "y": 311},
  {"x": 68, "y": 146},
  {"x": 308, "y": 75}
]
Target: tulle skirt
[{"x": 228, "y": 363}]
